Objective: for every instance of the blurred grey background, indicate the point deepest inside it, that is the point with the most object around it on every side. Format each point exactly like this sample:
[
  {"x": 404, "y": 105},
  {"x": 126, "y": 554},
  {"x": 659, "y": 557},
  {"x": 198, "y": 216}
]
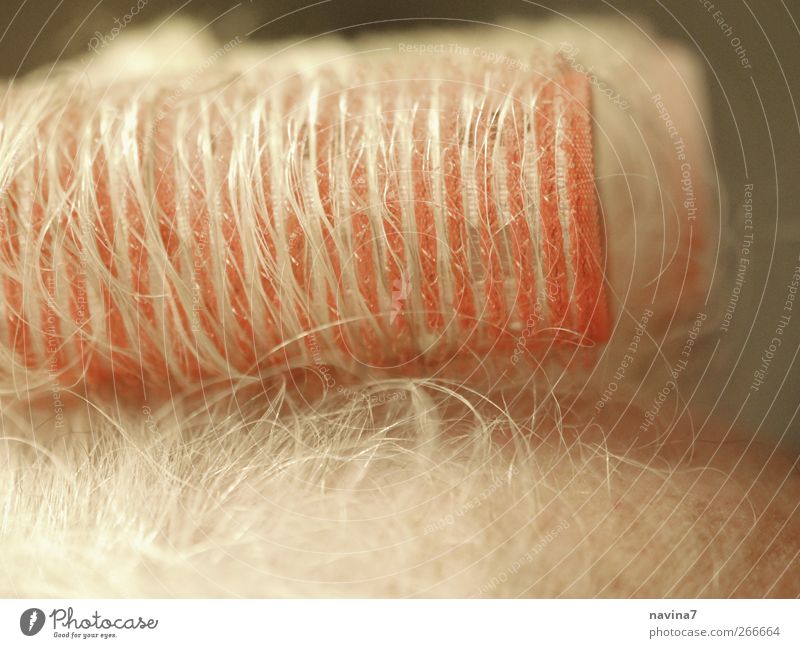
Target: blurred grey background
[{"x": 760, "y": 103}]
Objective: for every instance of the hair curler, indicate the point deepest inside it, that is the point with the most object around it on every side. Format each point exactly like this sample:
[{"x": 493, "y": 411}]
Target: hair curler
[{"x": 393, "y": 212}]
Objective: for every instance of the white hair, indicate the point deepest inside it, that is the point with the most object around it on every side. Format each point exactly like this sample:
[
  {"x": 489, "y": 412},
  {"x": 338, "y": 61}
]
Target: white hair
[{"x": 584, "y": 479}]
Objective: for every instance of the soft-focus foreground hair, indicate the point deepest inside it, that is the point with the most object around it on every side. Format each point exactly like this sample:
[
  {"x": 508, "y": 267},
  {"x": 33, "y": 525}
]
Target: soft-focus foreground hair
[{"x": 580, "y": 473}]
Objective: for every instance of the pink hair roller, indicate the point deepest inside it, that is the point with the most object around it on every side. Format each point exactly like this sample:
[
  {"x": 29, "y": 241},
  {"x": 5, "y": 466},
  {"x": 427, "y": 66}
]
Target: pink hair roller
[{"x": 394, "y": 214}]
